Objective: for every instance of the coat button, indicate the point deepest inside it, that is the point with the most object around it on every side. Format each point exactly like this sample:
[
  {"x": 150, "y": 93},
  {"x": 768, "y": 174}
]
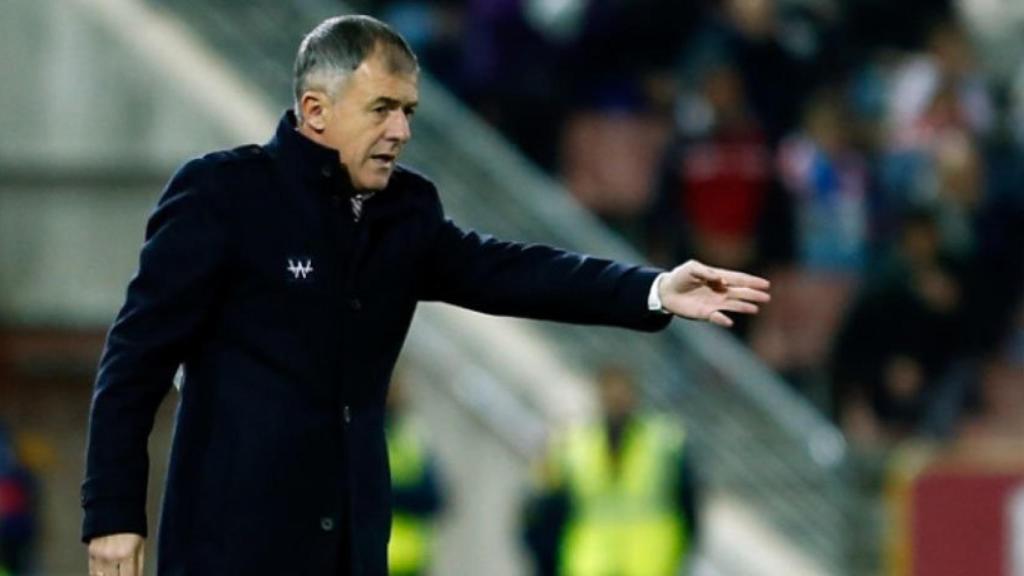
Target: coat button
[
  {"x": 355, "y": 304},
  {"x": 327, "y": 524},
  {"x": 327, "y": 171},
  {"x": 346, "y": 414}
]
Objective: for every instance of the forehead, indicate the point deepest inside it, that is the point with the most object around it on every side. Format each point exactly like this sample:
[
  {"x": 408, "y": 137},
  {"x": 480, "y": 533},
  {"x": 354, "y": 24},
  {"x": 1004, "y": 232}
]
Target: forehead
[{"x": 374, "y": 78}]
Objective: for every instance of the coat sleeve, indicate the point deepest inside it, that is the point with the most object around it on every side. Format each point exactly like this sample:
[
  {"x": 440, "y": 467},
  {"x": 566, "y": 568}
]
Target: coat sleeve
[
  {"x": 167, "y": 301},
  {"x": 488, "y": 275}
]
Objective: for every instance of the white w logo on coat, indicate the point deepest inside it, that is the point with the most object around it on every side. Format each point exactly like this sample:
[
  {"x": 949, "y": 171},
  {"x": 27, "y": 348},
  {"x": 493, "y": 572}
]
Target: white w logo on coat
[{"x": 300, "y": 269}]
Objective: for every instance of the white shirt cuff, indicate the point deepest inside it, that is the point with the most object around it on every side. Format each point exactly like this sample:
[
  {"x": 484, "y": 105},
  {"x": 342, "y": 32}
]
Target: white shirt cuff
[{"x": 654, "y": 298}]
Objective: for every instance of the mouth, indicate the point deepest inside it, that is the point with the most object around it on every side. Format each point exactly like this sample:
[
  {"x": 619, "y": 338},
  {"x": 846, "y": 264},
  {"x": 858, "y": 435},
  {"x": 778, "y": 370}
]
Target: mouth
[{"x": 384, "y": 160}]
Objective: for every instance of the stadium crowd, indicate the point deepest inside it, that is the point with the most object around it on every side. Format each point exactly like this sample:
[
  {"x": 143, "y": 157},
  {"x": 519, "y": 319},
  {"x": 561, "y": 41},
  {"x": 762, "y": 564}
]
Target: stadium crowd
[{"x": 858, "y": 153}]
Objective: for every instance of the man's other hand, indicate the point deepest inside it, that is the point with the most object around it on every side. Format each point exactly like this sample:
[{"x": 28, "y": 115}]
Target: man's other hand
[
  {"x": 117, "y": 555},
  {"x": 699, "y": 292}
]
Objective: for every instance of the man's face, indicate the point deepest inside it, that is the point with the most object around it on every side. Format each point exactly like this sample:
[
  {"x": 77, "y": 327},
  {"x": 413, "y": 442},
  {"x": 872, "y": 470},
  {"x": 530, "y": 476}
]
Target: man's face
[{"x": 368, "y": 121}]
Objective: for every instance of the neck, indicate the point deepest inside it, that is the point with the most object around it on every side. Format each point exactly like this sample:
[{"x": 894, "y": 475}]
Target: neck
[{"x": 314, "y": 136}]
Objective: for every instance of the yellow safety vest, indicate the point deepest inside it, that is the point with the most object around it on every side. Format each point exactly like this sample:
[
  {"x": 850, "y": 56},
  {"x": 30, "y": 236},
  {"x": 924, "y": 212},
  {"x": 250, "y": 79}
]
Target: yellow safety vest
[
  {"x": 409, "y": 546},
  {"x": 624, "y": 524}
]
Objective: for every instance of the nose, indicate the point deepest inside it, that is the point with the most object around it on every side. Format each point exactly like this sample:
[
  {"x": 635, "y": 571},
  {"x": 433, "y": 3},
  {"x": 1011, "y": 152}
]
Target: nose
[{"x": 398, "y": 127}]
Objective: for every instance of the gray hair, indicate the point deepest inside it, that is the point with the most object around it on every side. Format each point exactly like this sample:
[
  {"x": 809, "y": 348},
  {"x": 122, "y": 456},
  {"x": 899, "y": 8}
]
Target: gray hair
[{"x": 337, "y": 46}]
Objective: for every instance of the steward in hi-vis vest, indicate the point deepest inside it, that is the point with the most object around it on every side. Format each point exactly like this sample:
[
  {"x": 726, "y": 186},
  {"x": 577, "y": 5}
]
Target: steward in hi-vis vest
[
  {"x": 415, "y": 489},
  {"x": 620, "y": 497}
]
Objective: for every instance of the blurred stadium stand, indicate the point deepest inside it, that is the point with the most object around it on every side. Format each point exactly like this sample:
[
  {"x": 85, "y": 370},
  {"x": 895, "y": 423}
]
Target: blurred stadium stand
[{"x": 112, "y": 94}]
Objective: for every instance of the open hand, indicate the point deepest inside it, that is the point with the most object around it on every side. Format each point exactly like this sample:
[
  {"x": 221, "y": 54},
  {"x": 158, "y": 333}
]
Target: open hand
[
  {"x": 700, "y": 292},
  {"x": 116, "y": 555}
]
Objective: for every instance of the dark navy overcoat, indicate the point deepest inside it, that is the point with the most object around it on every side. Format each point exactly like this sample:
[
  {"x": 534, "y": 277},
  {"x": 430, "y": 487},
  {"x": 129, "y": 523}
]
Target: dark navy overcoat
[{"x": 288, "y": 313}]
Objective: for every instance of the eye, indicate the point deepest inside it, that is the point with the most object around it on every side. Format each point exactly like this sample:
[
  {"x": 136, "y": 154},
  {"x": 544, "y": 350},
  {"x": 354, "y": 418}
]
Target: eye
[{"x": 410, "y": 112}]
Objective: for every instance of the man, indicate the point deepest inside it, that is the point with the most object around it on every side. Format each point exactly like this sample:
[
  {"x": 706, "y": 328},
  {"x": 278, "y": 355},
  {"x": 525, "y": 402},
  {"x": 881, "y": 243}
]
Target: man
[
  {"x": 618, "y": 496},
  {"x": 283, "y": 278}
]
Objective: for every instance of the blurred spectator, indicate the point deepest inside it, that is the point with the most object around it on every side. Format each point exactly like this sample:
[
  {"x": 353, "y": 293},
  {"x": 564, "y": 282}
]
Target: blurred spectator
[
  {"x": 775, "y": 77},
  {"x": 931, "y": 96},
  {"x": 415, "y": 489},
  {"x": 939, "y": 89},
  {"x": 959, "y": 192},
  {"x": 899, "y": 337},
  {"x": 979, "y": 214},
  {"x": 619, "y": 496},
  {"x": 17, "y": 510},
  {"x": 623, "y": 86},
  {"x": 828, "y": 181},
  {"x": 718, "y": 199}
]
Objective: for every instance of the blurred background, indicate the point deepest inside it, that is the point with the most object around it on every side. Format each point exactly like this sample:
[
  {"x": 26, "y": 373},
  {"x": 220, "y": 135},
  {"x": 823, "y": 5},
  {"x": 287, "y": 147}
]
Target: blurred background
[{"x": 866, "y": 155}]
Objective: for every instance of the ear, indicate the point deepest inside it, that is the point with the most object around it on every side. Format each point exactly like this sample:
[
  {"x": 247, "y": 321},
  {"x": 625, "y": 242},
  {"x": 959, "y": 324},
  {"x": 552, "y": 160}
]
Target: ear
[{"x": 316, "y": 110}]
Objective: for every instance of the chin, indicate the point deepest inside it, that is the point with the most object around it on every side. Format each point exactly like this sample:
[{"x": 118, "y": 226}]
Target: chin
[{"x": 374, "y": 184}]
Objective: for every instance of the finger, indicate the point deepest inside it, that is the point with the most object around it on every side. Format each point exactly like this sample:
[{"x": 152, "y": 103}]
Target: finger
[
  {"x": 102, "y": 564},
  {"x": 739, "y": 306},
  {"x": 98, "y": 566},
  {"x": 749, "y": 294},
  {"x": 128, "y": 566},
  {"x": 734, "y": 278},
  {"x": 704, "y": 273},
  {"x": 141, "y": 564},
  {"x": 720, "y": 319},
  {"x": 103, "y": 568},
  {"x": 709, "y": 277}
]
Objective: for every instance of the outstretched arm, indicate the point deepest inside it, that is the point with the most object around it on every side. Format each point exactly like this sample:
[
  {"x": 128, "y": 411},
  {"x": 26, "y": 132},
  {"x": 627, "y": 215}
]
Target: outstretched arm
[
  {"x": 482, "y": 273},
  {"x": 493, "y": 276}
]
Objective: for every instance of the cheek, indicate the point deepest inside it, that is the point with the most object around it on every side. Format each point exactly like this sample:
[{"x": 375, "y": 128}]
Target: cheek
[
  {"x": 357, "y": 145},
  {"x": 353, "y": 152},
  {"x": 347, "y": 139}
]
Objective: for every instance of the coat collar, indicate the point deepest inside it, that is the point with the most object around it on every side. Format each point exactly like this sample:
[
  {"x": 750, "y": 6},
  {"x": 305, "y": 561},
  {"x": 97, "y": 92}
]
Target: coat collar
[
  {"x": 319, "y": 169},
  {"x": 318, "y": 166}
]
